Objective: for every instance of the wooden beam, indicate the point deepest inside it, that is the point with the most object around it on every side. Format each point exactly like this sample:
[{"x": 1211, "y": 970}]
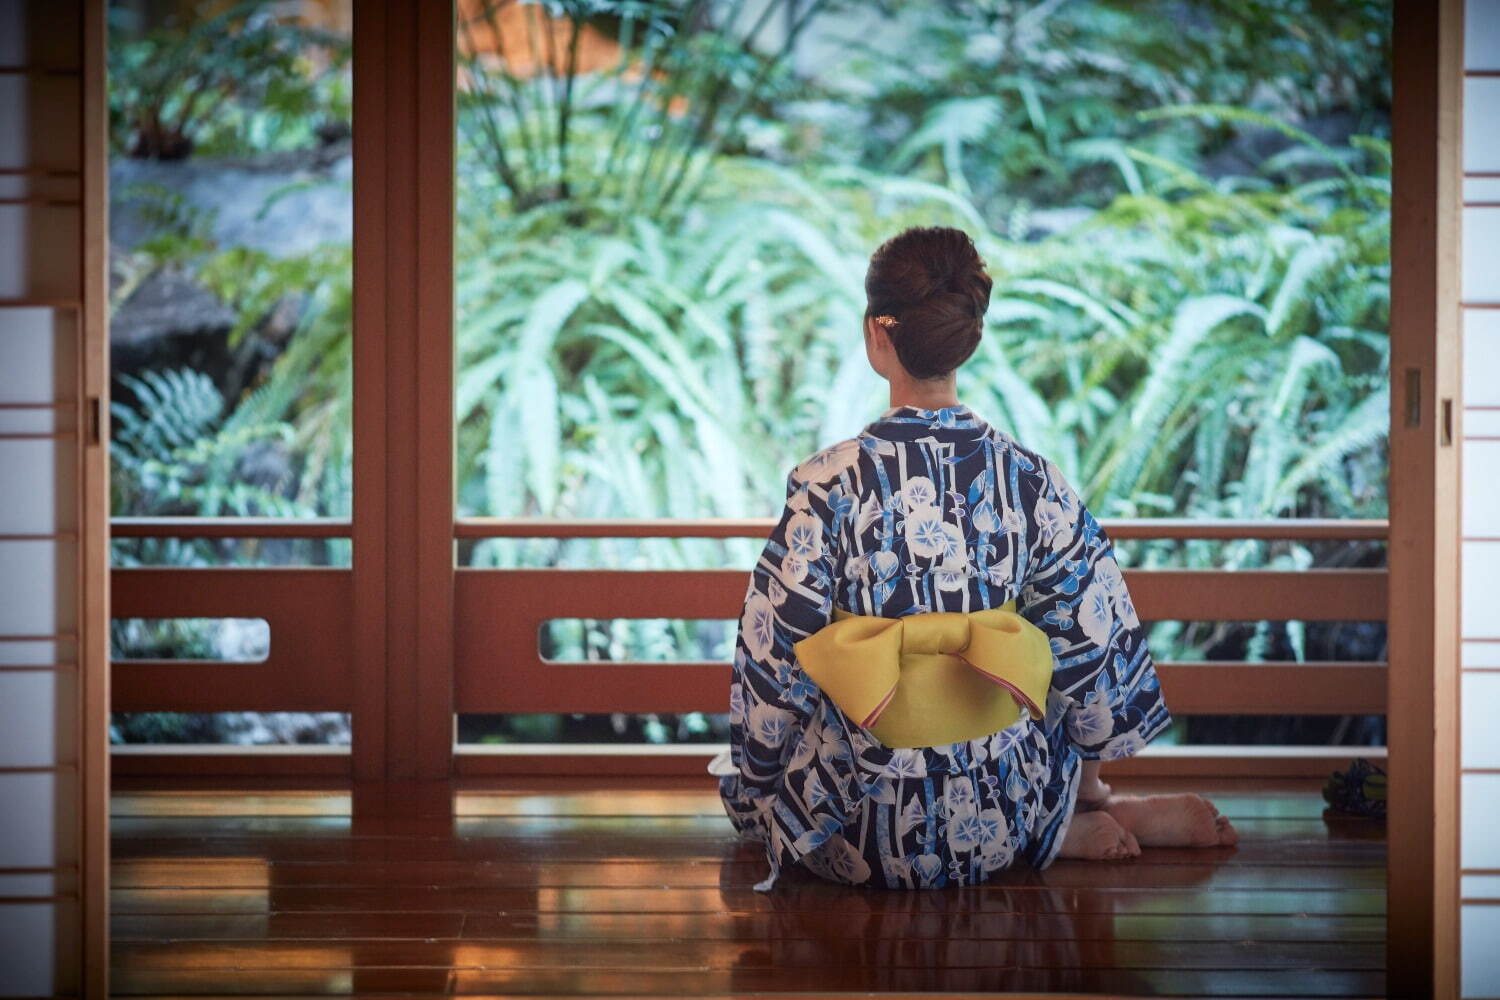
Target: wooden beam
[
  {"x": 308, "y": 667},
  {"x": 1308, "y": 529},
  {"x": 564, "y": 760},
  {"x": 1159, "y": 595},
  {"x": 91, "y": 415},
  {"x": 230, "y": 527},
  {"x": 403, "y": 385},
  {"x": 1213, "y": 688},
  {"x": 1427, "y": 81}
]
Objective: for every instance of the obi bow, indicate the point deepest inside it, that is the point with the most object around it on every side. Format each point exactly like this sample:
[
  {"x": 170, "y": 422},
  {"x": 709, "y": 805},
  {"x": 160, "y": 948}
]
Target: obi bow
[{"x": 931, "y": 678}]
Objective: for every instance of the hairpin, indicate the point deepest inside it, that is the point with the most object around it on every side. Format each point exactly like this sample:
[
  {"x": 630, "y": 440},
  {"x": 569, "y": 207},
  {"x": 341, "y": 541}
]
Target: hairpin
[{"x": 886, "y": 321}]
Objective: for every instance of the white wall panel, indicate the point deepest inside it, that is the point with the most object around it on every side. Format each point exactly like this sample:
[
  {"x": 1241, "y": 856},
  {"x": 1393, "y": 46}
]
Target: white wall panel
[
  {"x": 1481, "y": 252},
  {"x": 1479, "y": 654},
  {"x": 42, "y": 182},
  {"x": 1479, "y": 727},
  {"x": 37, "y": 356},
  {"x": 1481, "y": 423},
  {"x": 28, "y": 826},
  {"x": 1481, "y": 138},
  {"x": 36, "y": 719},
  {"x": 36, "y": 135},
  {"x": 1481, "y": 488},
  {"x": 1480, "y": 926},
  {"x": 1484, "y": 887},
  {"x": 1480, "y": 582},
  {"x": 37, "y": 491},
  {"x": 32, "y": 572},
  {"x": 1481, "y": 359},
  {"x": 1482, "y": 34},
  {"x": 28, "y": 945}
]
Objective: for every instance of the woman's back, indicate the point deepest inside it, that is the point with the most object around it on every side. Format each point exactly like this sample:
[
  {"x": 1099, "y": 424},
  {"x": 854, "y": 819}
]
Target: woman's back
[{"x": 929, "y": 510}]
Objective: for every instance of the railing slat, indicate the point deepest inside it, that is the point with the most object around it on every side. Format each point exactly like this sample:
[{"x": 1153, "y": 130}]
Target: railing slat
[
  {"x": 759, "y": 527},
  {"x": 1224, "y": 529},
  {"x": 526, "y": 596},
  {"x": 1216, "y": 688},
  {"x": 309, "y": 610}
]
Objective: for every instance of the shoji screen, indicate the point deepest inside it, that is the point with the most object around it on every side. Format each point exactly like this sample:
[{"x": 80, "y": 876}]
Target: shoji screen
[
  {"x": 1479, "y": 801},
  {"x": 52, "y": 511}
]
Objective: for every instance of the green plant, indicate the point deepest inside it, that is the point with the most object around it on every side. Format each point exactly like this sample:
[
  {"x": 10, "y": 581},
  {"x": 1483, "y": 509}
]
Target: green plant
[
  {"x": 636, "y": 139},
  {"x": 242, "y": 79}
]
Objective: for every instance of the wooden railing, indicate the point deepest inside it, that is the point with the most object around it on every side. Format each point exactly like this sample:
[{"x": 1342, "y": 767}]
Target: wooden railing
[{"x": 498, "y": 665}]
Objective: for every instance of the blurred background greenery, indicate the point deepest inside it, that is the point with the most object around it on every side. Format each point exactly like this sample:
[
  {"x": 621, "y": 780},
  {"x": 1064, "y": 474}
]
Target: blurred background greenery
[{"x": 664, "y": 212}]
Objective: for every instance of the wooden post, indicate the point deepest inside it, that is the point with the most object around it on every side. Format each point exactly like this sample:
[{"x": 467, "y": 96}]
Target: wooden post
[
  {"x": 1422, "y": 880},
  {"x": 93, "y": 488},
  {"x": 403, "y": 395}
]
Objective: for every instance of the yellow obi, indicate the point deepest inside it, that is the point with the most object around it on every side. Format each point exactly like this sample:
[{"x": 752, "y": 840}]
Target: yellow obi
[{"x": 931, "y": 678}]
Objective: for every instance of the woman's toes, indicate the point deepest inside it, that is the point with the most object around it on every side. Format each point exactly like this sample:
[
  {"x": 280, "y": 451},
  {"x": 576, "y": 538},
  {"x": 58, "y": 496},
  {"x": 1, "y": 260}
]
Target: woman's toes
[
  {"x": 1168, "y": 820},
  {"x": 1093, "y": 836},
  {"x": 1228, "y": 835},
  {"x": 1131, "y": 844}
]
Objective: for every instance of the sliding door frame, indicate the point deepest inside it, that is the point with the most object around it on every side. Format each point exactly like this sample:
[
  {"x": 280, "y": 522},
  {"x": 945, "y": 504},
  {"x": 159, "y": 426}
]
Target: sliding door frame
[{"x": 1422, "y": 941}]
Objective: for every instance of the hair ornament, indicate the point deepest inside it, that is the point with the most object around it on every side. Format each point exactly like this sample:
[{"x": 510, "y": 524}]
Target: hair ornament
[{"x": 886, "y": 320}]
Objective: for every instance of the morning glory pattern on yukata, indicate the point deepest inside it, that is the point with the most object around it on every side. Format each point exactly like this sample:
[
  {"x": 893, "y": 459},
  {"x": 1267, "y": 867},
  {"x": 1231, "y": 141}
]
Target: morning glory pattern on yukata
[{"x": 928, "y": 510}]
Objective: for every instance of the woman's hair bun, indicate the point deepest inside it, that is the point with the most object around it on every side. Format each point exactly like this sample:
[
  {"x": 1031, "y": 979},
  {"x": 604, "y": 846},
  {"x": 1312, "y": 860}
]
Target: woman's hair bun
[{"x": 932, "y": 280}]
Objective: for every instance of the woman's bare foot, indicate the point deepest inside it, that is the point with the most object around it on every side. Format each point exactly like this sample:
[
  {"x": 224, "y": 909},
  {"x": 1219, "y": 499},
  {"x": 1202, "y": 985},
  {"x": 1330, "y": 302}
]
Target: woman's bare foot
[
  {"x": 1096, "y": 836},
  {"x": 1172, "y": 820},
  {"x": 1092, "y": 795}
]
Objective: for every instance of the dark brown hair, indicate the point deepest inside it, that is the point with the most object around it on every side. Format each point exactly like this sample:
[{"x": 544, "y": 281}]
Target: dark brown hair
[{"x": 933, "y": 281}]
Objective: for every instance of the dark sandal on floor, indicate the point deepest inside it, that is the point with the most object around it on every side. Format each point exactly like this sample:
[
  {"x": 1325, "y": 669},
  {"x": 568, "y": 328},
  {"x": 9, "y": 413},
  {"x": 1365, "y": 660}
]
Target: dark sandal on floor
[{"x": 1359, "y": 791}]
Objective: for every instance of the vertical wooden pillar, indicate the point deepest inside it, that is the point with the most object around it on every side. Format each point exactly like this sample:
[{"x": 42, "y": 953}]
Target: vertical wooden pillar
[
  {"x": 403, "y": 396},
  {"x": 93, "y": 491},
  {"x": 1422, "y": 903}
]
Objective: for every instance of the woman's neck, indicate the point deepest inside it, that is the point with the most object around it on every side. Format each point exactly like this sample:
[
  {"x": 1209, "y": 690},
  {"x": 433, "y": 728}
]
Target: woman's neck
[{"x": 924, "y": 395}]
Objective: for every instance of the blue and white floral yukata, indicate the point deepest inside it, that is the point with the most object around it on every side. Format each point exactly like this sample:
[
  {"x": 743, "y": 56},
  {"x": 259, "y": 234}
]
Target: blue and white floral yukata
[{"x": 928, "y": 510}]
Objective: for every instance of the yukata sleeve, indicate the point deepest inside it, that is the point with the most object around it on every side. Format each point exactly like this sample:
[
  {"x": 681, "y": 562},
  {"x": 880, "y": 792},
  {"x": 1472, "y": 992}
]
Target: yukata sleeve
[
  {"x": 789, "y": 596},
  {"x": 1074, "y": 592}
]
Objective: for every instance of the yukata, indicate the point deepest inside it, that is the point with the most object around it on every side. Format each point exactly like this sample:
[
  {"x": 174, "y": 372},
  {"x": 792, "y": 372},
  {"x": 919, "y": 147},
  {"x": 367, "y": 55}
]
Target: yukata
[{"x": 928, "y": 510}]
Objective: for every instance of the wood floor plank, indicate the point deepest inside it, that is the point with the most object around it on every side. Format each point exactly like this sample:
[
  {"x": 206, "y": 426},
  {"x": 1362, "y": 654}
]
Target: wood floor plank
[
  {"x": 697, "y": 982},
  {"x": 500, "y": 872},
  {"x": 549, "y": 826},
  {"x": 625, "y": 891},
  {"x": 1280, "y": 852},
  {"x": 794, "y": 897},
  {"x": 644, "y": 928},
  {"x": 821, "y": 954}
]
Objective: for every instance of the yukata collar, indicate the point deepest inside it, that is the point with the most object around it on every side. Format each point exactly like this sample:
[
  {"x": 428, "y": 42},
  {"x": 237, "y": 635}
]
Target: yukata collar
[{"x": 907, "y": 422}]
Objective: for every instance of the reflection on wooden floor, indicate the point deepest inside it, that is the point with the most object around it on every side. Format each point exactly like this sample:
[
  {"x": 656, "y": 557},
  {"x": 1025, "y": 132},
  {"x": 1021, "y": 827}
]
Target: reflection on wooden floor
[{"x": 642, "y": 889}]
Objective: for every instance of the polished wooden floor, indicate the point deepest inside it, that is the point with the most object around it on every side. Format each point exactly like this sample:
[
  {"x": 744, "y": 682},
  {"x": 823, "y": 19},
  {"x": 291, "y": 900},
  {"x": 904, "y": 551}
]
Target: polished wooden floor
[{"x": 559, "y": 888}]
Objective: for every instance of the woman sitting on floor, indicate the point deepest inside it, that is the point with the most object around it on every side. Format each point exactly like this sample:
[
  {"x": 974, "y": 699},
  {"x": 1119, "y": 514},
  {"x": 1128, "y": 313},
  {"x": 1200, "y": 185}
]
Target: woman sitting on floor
[{"x": 1024, "y": 667}]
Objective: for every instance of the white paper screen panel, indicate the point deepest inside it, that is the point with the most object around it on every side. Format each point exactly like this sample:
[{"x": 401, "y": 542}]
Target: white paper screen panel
[
  {"x": 40, "y": 33},
  {"x": 1482, "y": 34},
  {"x": 37, "y": 727},
  {"x": 1481, "y": 498},
  {"x": 1479, "y": 694},
  {"x": 1481, "y": 387},
  {"x": 29, "y": 836},
  {"x": 1481, "y": 737},
  {"x": 37, "y": 490},
  {"x": 30, "y": 936},
  {"x": 1479, "y": 924},
  {"x": 38, "y": 652},
  {"x": 37, "y": 135},
  {"x": 1481, "y": 143},
  {"x": 1479, "y": 615},
  {"x": 41, "y": 117},
  {"x": 40, "y": 578},
  {"x": 39, "y": 252},
  {"x": 37, "y": 356}
]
